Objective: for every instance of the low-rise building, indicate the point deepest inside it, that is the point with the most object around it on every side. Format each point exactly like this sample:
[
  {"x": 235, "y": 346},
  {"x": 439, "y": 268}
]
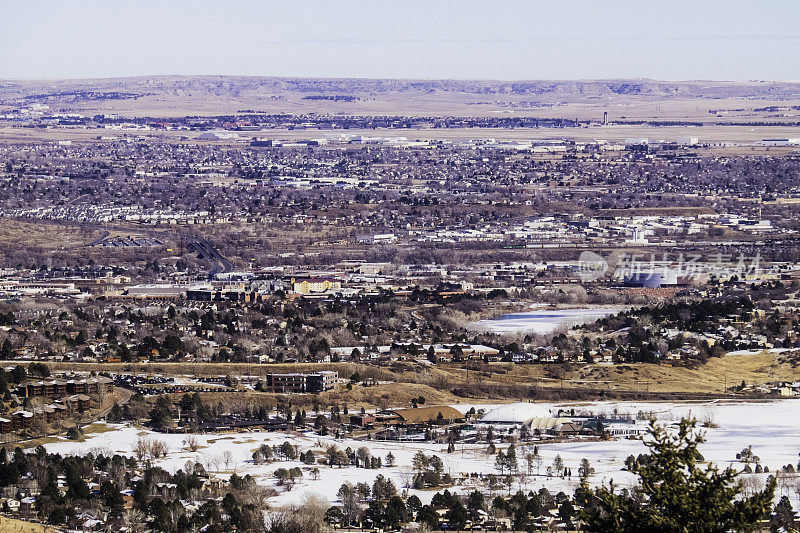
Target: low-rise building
[{"x": 299, "y": 382}]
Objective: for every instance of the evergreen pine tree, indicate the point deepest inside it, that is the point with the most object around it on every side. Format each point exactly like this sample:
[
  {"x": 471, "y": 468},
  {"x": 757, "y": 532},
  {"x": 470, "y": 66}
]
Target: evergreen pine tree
[{"x": 675, "y": 493}]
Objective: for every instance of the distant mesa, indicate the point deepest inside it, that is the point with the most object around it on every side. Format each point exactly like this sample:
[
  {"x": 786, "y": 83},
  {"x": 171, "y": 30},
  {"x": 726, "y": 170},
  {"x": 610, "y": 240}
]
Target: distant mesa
[{"x": 348, "y": 89}]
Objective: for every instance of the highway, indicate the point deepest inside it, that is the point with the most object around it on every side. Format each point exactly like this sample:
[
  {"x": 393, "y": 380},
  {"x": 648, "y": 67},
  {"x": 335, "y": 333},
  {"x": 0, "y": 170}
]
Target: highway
[{"x": 218, "y": 263}]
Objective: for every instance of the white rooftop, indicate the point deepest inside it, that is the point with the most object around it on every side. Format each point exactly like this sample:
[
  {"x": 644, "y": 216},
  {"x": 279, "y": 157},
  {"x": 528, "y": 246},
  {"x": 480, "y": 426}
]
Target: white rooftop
[{"x": 516, "y": 413}]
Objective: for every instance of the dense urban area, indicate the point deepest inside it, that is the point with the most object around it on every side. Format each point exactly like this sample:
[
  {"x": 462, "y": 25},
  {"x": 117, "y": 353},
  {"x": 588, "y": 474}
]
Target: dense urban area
[{"x": 304, "y": 322}]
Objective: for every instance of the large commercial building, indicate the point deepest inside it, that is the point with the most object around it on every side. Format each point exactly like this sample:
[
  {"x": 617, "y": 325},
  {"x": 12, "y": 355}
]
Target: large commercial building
[
  {"x": 315, "y": 285},
  {"x": 56, "y": 388},
  {"x": 298, "y": 382}
]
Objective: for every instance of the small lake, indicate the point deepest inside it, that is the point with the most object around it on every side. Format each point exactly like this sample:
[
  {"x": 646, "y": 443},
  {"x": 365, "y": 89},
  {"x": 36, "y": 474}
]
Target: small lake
[{"x": 542, "y": 322}]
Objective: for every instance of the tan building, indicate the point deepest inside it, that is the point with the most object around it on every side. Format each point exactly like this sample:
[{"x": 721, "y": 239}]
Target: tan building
[{"x": 315, "y": 285}]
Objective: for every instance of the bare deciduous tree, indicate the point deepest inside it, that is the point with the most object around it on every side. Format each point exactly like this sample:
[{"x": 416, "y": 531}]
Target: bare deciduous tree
[
  {"x": 158, "y": 448},
  {"x": 191, "y": 443},
  {"x": 141, "y": 448},
  {"x": 227, "y": 458}
]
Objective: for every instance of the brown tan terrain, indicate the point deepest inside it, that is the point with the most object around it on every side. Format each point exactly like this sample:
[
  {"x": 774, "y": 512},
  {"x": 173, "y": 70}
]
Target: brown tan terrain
[
  {"x": 635, "y": 99},
  {"x": 714, "y": 112},
  {"x": 15, "y": 525},
  {"x": 48, "y": 235},
  {"x": 398, "y": 385}
]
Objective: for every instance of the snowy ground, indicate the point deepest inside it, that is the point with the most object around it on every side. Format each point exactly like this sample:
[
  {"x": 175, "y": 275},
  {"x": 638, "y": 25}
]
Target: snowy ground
[{"x": 772, "y": 428}]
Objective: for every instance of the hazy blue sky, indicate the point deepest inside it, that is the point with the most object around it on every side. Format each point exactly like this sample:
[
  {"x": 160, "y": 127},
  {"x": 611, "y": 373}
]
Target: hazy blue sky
[{"x": 491, "y": 39}]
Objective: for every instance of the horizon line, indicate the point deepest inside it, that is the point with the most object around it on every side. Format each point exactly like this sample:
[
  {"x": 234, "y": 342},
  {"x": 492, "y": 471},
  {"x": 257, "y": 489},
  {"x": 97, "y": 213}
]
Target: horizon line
[{"x": 369, "y": 78}]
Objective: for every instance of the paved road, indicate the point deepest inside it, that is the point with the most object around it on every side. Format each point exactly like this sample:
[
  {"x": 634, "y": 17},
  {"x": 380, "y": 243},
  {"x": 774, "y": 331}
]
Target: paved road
[
  {"x": 210, "y": 254},
  {"x": 100, "y": 239},
  {"x": 125, "y": 397}
]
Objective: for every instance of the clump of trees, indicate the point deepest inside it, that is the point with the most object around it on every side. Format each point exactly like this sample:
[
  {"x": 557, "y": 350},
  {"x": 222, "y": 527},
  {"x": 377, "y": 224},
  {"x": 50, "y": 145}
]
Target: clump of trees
[
  {"x": 145, "y": 447},
  {"x": 63, "y": 485},
  {"x": 428, "y": 471}
]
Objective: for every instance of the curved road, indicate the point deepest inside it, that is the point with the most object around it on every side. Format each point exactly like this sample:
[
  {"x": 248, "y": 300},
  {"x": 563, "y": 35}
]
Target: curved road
[
  {"x": 210, "y": 254},
  {"x": 100, "y": 239}
]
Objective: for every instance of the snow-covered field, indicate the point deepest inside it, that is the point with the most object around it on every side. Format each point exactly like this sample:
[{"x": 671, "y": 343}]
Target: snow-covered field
[
  {"x": 542, "y": 322},
  {"x": 772, "y": 428}
]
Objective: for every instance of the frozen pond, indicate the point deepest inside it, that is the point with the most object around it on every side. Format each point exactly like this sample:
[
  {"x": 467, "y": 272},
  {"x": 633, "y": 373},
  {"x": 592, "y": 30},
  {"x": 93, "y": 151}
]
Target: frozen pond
[{"x": 542, "y": 322}]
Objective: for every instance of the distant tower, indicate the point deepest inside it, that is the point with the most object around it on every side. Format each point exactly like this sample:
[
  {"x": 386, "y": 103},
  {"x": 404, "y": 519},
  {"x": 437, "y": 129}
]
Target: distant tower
[{"x": 605, "y": 118}]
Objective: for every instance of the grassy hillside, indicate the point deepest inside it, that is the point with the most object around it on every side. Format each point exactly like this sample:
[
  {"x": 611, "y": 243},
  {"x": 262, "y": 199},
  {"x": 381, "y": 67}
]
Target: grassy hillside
[{"x": 397, "y": 385}]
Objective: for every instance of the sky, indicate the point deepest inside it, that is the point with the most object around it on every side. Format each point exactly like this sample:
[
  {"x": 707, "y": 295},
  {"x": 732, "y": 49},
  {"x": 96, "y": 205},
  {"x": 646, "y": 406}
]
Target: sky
[{"x": 431, "y": 39}]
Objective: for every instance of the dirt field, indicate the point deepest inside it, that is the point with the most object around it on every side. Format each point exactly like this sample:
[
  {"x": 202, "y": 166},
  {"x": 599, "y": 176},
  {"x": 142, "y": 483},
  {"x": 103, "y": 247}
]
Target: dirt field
[
  {"x": 46, "y": 235},
  {"x": 712, "y": 377},
  {"x": 14, "y": 525},
  {"x": 383, "y": 395}
]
